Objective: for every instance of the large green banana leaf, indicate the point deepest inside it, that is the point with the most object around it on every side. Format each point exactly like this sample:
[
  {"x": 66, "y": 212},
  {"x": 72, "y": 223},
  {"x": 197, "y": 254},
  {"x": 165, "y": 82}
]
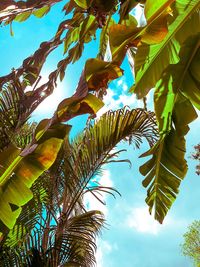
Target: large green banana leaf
[
  {"x": 179, "y": 79},
  {"x": 151, "y": 60},
  {"x": 165, "y": 170},
  {"x": 191, "y": 70},
  {"x": 19, "y": 172},
  {"x": 167, "y": 167}
]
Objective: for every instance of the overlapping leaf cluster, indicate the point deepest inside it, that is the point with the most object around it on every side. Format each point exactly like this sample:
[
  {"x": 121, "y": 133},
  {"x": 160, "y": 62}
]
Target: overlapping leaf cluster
[
  {"x": 54, "y": 226},
  {"x": 171, "y": 67},
  {"x": 165, "y": 55},
  {"x": 29, "y": 203},
  {"x": 20, "y": 167}
]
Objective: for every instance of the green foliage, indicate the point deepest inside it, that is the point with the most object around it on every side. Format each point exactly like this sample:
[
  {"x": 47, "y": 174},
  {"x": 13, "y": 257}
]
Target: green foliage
[
  {"x": 24, "y": 167},
  {"x": 151, "y": 61},
  {"x": 166, "y": 66},
  {"x": 191, "y": 245},
  {"x": 55, "y": 223},
  {"x": 164, "y": 54},
  {"x": 20, "y": 11}
]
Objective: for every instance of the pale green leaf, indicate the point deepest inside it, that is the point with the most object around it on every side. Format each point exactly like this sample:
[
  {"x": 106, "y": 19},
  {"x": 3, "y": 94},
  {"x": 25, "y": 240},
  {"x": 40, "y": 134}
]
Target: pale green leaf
[
  {"x": 150, "y": 61},
  {"x": 23, "y": 16},
  {"x": 39, "y": 13},
  {"x": 155, "y": 8},
  {"x": 176, "y": 80}
]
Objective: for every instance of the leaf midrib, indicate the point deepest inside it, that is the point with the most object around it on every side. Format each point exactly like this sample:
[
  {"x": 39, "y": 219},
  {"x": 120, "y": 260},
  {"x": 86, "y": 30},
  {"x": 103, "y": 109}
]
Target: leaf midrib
[
  {"x": 179, "y": 25},
  {"x": 158, "y": 159}
]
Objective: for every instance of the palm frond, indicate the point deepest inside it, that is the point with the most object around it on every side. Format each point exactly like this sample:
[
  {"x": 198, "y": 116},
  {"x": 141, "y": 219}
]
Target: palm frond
[
  {"x": 57, "y": 230},
  {"x": 78, "y": 239},
  {"x": 13, "y": 113},
  {"x": 92, "y": 149}
]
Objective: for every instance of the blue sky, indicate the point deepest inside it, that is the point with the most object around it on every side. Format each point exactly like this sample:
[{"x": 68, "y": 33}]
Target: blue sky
[{"x": 134, "y": 239}]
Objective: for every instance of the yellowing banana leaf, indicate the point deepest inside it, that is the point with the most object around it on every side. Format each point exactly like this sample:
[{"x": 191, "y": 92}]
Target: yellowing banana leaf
[
  {"x": 156, "y": 13},
  {"x": 155, "y": 32},
  {"x": 104, "y": 38},
  {"x": 80, "y": 103},
  {"x": 99, "y": 72},
  {"x": 17, "y": 179},
  {"x": 151, "y": 60},
  {"x": 95, "y": 76},
  {"x": 71, "y": 107},
  {"x": 85, "y": 4},
  {"x": 123, "y": 37}
]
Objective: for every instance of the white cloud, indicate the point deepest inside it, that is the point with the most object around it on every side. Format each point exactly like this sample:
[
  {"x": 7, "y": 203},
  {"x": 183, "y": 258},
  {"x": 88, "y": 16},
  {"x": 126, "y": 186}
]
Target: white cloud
[
  {"x": 141, "y": 221},
  {"x": 125, "y": 87},
  {"x": 128, "y": 100},
  {"x": 109, "y": 103},
  {"x": 119, "y": 82},
  {"x": 124, "y": 99},
  {"x": 105, "y": 179},
  {"x": 99, "y": 257},
  {"x": 103, "y": 247},
  {"x": 122, "y": 84},
  {"x": 93, "y": 203}
]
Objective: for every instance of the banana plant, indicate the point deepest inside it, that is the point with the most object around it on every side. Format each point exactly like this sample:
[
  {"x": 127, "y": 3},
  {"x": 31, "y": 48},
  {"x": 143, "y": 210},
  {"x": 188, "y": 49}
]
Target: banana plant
[
  {"x": 171, "y": 67},
  {"x": 165, "y": 53}
]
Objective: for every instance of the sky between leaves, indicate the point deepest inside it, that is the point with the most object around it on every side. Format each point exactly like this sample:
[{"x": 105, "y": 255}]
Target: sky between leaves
[{"x": 132, "y": 237}]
